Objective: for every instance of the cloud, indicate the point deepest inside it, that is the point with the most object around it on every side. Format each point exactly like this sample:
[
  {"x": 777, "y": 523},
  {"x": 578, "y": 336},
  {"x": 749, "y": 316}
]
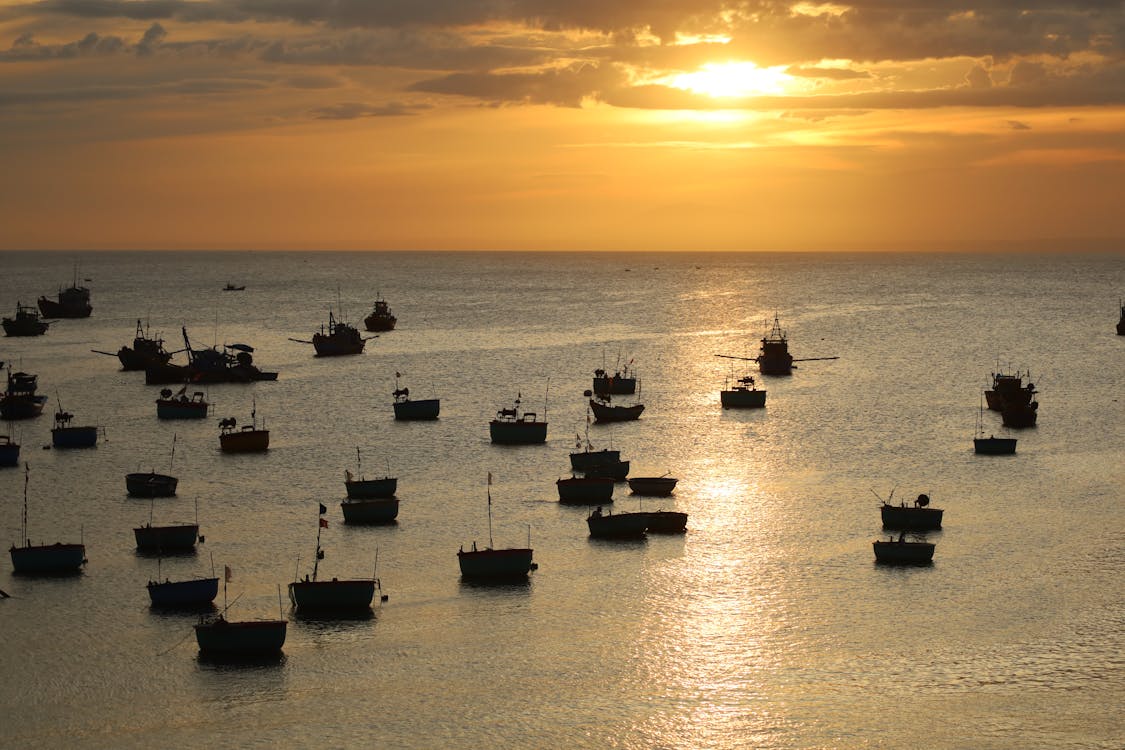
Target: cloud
[
  {"x": 835, "y": 74},
  {"x": 356, "y": 110},
  {"x": 151, "y": 39},
  {"x": 562, "y": 87}
]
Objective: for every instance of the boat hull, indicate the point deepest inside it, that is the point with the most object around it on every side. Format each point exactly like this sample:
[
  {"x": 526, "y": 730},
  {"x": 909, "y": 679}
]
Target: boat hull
[
  {"x": 586, "y": 460},
  {"x": 175, "y": 409},
  {"x": 517, "y": 433},
  {"x": 366, "y": 489},
  {"x": 247, "y": 441},
  {"x": 585, "y": 490},
  {"x": 379, "y": 323},
  {"x": 911, "y": 518},
  {"x": 166, "y": 538},
  {"x": 606, "y": 413},
  {"x": 48, "y": 558},
  {"x": 252, "y": 638},
  {"x": 192, "y": 593},
  {"x": 904, "y": 553},
  {"x": 994, "y": 446},
  {"x": 667, "y": 522},
  {"x": 75, "y": 309},
  {"x": 617, "y": 471},
  {"x": 617, "y": 525},
  {"x": 338, "y": 348},
  {"x": 169, "y": 374},
  {"x": 652, "y": 486},
  {"x": 74, "y": 437},
  {"x": 1019, "y": 416},
  {"x": 370, "y": 511},
  {"x": 9, "y": 452},
  {"x": 417, "y": 410},
  {"x": 742, "y": 398},
  {"x": 150, "y": 484},
  {"x": 21, "y": 407},
  {"x": 495, "y": 564},
  {"x": 332, "y": 595},
  {"x": 16, "y": 328}
]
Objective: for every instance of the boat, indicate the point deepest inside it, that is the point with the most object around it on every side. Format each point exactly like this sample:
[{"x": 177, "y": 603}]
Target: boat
[
  {"x": 586, "y": 458},
  {"x": 366, "y": 489},
  {"x": 220, "y": 637},
  {"x": 605, "y": 411},
  {"x": 1008, "y": 390},
  {"x": 151, "y": 484},
  {"x": 585, "y": 490},
  {"x": 615, "y": 470},
  {"x": 230, "y": 287},
  {"x": 373, "y": 511},
  {"x": 232, "y": 363},
  {"x": 610, "y": 525},
  {"x": 917, "y": 517},
  {"x": 72, "y": 302},
  {"x": 26, "y": 322},
  {"x": 381, "y": 317},
  {"x": 407, "y": 409},
  {"x": 622, "y": 382},
  {"x": 1121, "y": 321},
  {"x": 773, "y": 354},
  {"x": 336, "y": 595},
  {"x": 666, "y": 522},
  {"x": 9, "y": 451},
  {"x": 250, "y": 439},
  {"x": 743, "y": 395},
  {"x": 902, "y": 552},
  {"x": 193, "y": 592},
  {"x": 176, "y": 538},
  {"x": 181, "y": 406},
  {"x": 44, "y": 558},
  {"x": 145, "y": 352},
  {"x": 513, "y": 427},
  {"x": 20, "y": 399},
  {"x": 66, "y": 435},
  {"x": 492, "y": 564},
  {"x": 991, "y": 445},
  {"x": 337, "y": 340},
  {"x": 653, "y": 486},
  {"x": 1020, "y": 415}
]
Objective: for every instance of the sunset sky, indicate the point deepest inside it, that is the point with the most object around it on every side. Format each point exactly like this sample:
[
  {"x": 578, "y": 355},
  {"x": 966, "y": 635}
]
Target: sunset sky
[{"x": 561, "y": 124}]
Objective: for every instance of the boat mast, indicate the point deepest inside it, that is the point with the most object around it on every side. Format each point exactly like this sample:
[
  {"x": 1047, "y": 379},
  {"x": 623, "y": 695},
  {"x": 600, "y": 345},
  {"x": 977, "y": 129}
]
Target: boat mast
[
  {"x": 26, "y": 479},
  {"x": 173, "y": 456},
  {"x": 320, "y": 524},
  {"x": 490, "y": 546}
]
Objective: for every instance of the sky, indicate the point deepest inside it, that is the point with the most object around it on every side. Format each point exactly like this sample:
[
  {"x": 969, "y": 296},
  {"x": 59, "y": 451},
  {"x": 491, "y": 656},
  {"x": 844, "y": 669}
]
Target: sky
[{"x": 562, "y": 124}]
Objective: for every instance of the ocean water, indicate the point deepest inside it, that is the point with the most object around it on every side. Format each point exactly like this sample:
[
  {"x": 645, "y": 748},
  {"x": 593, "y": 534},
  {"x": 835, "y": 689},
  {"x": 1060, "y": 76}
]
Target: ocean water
[{"x": 766, "y": 625}]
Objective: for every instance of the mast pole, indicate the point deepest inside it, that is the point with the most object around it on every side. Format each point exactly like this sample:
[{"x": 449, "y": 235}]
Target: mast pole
[
  {"x": 26, "y": 479},
  {"x": 490, "y": 545},
  {"x": 316, "y": 560}
]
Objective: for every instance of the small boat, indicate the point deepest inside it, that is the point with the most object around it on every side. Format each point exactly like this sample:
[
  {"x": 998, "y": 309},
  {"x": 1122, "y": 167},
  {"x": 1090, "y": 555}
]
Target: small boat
[
  {"x": 743, "y": 395},
  {"x": 991, "y": 445},
  {"x": 334, "y": 595},
  {"x": 44, "y": 558},
  {"x": 917, "y": 517},
  {"x": 337, "y": 340},
  {"x": 617, "y": 525},
  {"x": 667, "y": 522},
  {"x": 653, "y": 486},
  {"x": 26, "y": 322},
  {"x": 407, "y": 409},
  {"x": 72, "y": 302},
  {"x": 622, "y": 382},
  {"x": 9, "y": 451},
  {"x": 66, "y": 435},
  {"x": 180, "y": 405},
  {"x": 1019, "y": 415},
  {"x": 250, "y": 439},
  {"x": 145, "y": 352},
  {"x": 20, "y": 400},
  {"x": 232, "y": 363},
  {"x": 773, "y": 354},
  {"x": 1008, "y": 390},
  {"x": 151, "y": 484},
  {"x": 513, "y": 427},
  {"x": 373, "y": 511},
  {"x": 381, "y": 317},
  {"x": 366, "y": 489},
  {"x": 193, "y": 592},
  {"x": 586, "y": 458},
  {"x": 585, "y": 490},
  {"x": 902, "y": 552},
  {"x": 491, "y": 564},
  {"x": 615, "y": 470},
  {"x": 173, "y": 538},
  {"x": 605, "y": 411},
  {"x": 1121, "y": 321},
  {"x": 217, "y": 636},
  {"x": 230, "y": 287}
]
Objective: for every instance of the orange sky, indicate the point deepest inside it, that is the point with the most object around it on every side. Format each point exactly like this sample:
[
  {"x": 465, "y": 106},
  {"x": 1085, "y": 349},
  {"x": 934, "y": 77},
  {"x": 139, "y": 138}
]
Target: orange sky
[{"x": 544, "y": 124}]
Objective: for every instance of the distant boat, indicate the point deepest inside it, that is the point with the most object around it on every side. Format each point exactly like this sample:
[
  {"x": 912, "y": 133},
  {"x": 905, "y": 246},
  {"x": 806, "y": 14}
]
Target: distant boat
[
  {"x": 618, "y": 471},
  {"x": 743, "y": 395},
  {"x": 151, "y": 484},
  {"x": 513, "y": 427},
  {"x": 72, "y": 302},
  {"x": 366, "y": 489},
  {"x": 586, "y": 458},
  {"x": 220, "y": 637},
  {"x": 9, "y": 451},
  {"x": 495, "y": 564},
  {"x": 233, "y": 363},
  {"x": 381, "y": 317},
  {"x": 145, "y": 352},
  {"x": 773, "y": 354},
  {"x": 44, "y": 558},
  {"x": 902, "y": 552},
  {"x": 175, "y": 538},
  {"x": 407, "y": 409},
  {"x": 991, "y": 445},
  {"x": 605, "y": 411},
  {"x": 1121, "y": 322},
  {"x": 653, "y": 486},
  {"x": 585, "y": 490},
  {"x": 66, "y": 435},
  {"x": 180, "y": 405},
  {"x": 617, "y": 525},
  {"x": 193, "y": 592},
  {"x": 20, "y": 400},
  {"x": 333, "y": 595},
  {"x": 1008, "y": 390},
  {"x": 1020, "y": 415},
  {"x": 250, "y": 439},
  {"x": 666, "y": 522},
  {"x": 373, "y": 511},
  {"x": 26, "y": 322},
  {"x": 336, "y": 340},
  {"x": 230, "y": 287},
  {"x": 917, "y": 517},
  {"x": 623, "y": 381}
]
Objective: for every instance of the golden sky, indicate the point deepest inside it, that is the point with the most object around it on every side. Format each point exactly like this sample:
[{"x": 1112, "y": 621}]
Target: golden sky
[{"x": 561, "y": 124}]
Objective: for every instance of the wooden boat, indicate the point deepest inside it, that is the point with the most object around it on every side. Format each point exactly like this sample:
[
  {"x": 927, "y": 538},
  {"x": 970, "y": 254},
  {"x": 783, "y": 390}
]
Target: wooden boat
[
  {"x": 180, "y": 405},
  {"x": 66, "y": 435},
  {"x": 26, "y": 322},
  {"x": 366, "y": 489},
  {"x": 9, "y": 451},
  {"x": 250, "y": 439},
  {"x": 230, "y": 287},
  {"x": 150, "y": 484},
  {"x": 1020, "y": 415},
  {"x": 623, "y": 381},
  {"x": 587, "y": 458},
  {"x": 336, "y": 340},
  {"x": 407, "y": 409},
  {"x": 72, "y": 302},
  {"x": 193, "y": 592},
  {"x": 615, "y": 470},
  {"x": 232, "y": 363},
  {"x": 381, "y": 317},
  {"x": 991, "y": 445},
  {"x": 1008, "y": 390},
  {"x": 585, "y": 490},
  {"x": 653, "y": 486},
  {"x": 219, "y": 637},
  {"x": 335, "y": 595},
  {"x": 373, "y": 511},
  {"x": 145, "y": 351},
  {"x": 605, "y": 411},
  {"x": 743, "y": 395},
  {"x": 176, "y": 538},
  {"x": 491, "y": 564},
  {"x": 902, "y": 552},
  {"x": 20, "y": 400},
  {"x": 513, "y": 427},
  {"x": 773, "y": 353},
  {"x": 666, "y": 522},
  {"x": 917, "y": 517},
  {"x": 44, "y": 558},
  {"x": 617, "y": 525}
]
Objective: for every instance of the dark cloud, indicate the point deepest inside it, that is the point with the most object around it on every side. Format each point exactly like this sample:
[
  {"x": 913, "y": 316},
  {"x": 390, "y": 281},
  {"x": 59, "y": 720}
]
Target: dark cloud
[
  {"x": 356, "y": 110},
  {"x": 1017, "y": 125},
  {"x": 565, "y": 87},
  {"x": 835, "y": 74},
  {"x": 151, "y": 39}
]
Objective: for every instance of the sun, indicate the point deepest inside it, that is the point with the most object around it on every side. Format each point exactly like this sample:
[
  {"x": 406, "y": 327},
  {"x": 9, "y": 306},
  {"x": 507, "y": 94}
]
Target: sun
[{"x": 733, "y": 79}]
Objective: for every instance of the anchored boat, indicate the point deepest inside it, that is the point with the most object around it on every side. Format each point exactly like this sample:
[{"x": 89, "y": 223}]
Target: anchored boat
[
  {"x": 44, "y": 558},
  {"x": 585, "y": 490},
  {"x": 180, "y": 405},
  {"x": 145, "y": 352},
  {"x": 744, "y": 394},
  {"x": 20, "y": 400},
  {"x": 334, "y": 595},
  {"x": 381, "y": 317},
  {"x": 610, "y": 525},
  {"x": 72, "y": 302},
  {"x": 605, "y": 411},
  {"x": 217, "y": 636},
  {"x": 25, "y": 322},
  {"x": 366, "y": 489},
  {"x": 491, "y": 564},
  {"x": 902, "y": 552},
  {"x": 917, "y": 517},
  {"x": 515, "y": 427},
  {"x": 407, "y": 409},
  {"x": 250, "y": 439},
  {"x": 66, "y": 435}
]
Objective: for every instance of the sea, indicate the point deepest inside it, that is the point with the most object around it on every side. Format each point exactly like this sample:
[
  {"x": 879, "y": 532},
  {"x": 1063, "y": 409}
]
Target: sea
[{"x": 767, "y": 624}]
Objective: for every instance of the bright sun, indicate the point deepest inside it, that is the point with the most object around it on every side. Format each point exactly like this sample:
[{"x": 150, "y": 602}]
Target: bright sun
[{"x": 733, "y": 80}]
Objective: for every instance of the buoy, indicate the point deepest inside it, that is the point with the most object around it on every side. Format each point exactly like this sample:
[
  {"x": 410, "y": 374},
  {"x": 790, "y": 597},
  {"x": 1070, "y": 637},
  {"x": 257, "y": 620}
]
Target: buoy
[{"x": 384, "y": 597}]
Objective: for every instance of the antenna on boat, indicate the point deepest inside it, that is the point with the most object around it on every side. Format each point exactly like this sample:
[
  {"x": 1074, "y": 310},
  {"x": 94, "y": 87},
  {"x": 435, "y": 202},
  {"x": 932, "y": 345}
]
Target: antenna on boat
[
  {"x": 545, "y": 399},
  {"x": 490, "y": 545},
  {"x": 320, "y": 524},
  {"x": 26, "y": 479},
  {"x": 280, "y": 611},
  {"x": 173, "y": 458}
]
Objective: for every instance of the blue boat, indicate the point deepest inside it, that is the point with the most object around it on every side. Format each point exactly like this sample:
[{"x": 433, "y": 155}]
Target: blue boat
[
  {"x": 9, "y": 451},
  {"x": 20, "y": 400},
  {"x": 491, "y": 564},
  {"x": 44, "y": 558},
  {"x": 513, "y": 427},
  {"x": 195, "y": 592}
]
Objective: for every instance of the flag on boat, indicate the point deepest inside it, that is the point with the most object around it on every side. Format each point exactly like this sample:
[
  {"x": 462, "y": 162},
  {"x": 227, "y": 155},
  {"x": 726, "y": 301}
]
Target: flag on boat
[
  {"x": 324, "y": 523},
  {"x": 323, "y": 510},
  {"x": 398, "y": 374},
  {"x": 226, "y": 573},
  {"x": 490, "y": 479}
]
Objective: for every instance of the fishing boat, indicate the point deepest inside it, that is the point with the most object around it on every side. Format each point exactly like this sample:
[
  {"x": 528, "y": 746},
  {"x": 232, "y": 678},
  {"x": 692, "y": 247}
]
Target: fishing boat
[
  {"x": 366, "y": 489},
  {"x": 407, "y": 409},
  {"x": 773, "y": 354},
  {"x": 381, "y": 317},
  {"x": 26, "y": 322},
  {"x": 146, "y": 351},
  {"x": 217, "y": 636},
  {"x": 66, "y": 435},
  {"x": 175, "y": 538},
  {"x": 193, "y": 592},
  {"x": 515, "y": 427},
  {"x": 44, "y": 558},
  {"x": 1008, "y": 390},
  {"x": 618, "y": 471},
  {"x": 336, "y": 340},
  {"x": 9, "y": 451},
  {"x": 491, "y": 564},
  {"x": 231, "y": 287},
  {"x": 1121, "y": 321},
  {"x": 151, "y": 484},
  {"x": 180, "y": 405},
  {"x": 373, "y": 511},
  {"x": 335, "y": 595},
  {"x": 666, "y": 522},
  {"x": 1020, "y": 416},
  {"x": 585, "y": 490},
  {"x": 231, "y": 363},
  {"x": 917, "y": 517},
  {"x": 605, "y": 411},
  {"x": 72, "y": 302},
  {"x": 250, "y": 439},
  {"x": 610, "y": 525},
  {"x": 743, "y": 395},
  {"x": 623, "y": 381},
  {"x": 20, "y": 399},
  {"x": 586, "y": 458},
  {"x": 661, "y": 486},
  {"x": 991, "y": 445},
  {"x": 901, "y": 552}
]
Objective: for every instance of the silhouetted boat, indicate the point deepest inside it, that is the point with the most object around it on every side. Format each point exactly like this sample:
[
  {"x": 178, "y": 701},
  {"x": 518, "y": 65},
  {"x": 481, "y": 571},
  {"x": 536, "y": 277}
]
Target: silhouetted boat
[
  {"x": 605, "y": 411},
  {"x": 612, "y": 525},
  {"x": 618, "y": 471},
  {"x": 220, "y": 637},
  {"x": 366, "y": 489},
  {"x": 408, "y": 409},
  {"x": 230, "y": 287},
  {"x": 66, "y": 435},
  {"x": 586, "y": 458},
  {"x": 337, "y": 340},
  {"x": 180, "y": 405},
  {"x": 172, "y": 538},
  {"x": 26, "y": 322},
  {"x": 666, "y": 522},
  {"x": 151, "y": 484},
  {"x": 333, "y": 595},
  {"x": 44, "y": 558},
  {"x": 211, "y": 365},
  {"x": 917, "y": 517},
  {"x": 72, "y": 302},
  {"x": 743, "y": 395},
  {"x": 144, "y": 353},
  {"x": 653, "y": 486},
  {"x": 20, "y": 400},
  {"x": 773, "y": 354},
  {"x": 374, "y": 511},
  {"x": 193, "y": 592},
  {"x": 250, "y": 439},
  {"x": 1121, "y": 322},
  {"x": 9, "y": 451},
  {"x": 495, "y": 564},
  {"x": 1020, "y": 415},
  {"x": 991, "y": 445},
  {"x": 1008, "y": 390},
  {"x": 623, "y": 381},
  {"x": 513, "y": 427},
  {"x": 381, "y": 318},
  {"x": 902, "y": 552},
  {"x": 585, "y": 490}
]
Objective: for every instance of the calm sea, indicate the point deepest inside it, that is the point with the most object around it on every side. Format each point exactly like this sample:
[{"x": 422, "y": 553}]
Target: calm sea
[{"x": 767, "y": 625}]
